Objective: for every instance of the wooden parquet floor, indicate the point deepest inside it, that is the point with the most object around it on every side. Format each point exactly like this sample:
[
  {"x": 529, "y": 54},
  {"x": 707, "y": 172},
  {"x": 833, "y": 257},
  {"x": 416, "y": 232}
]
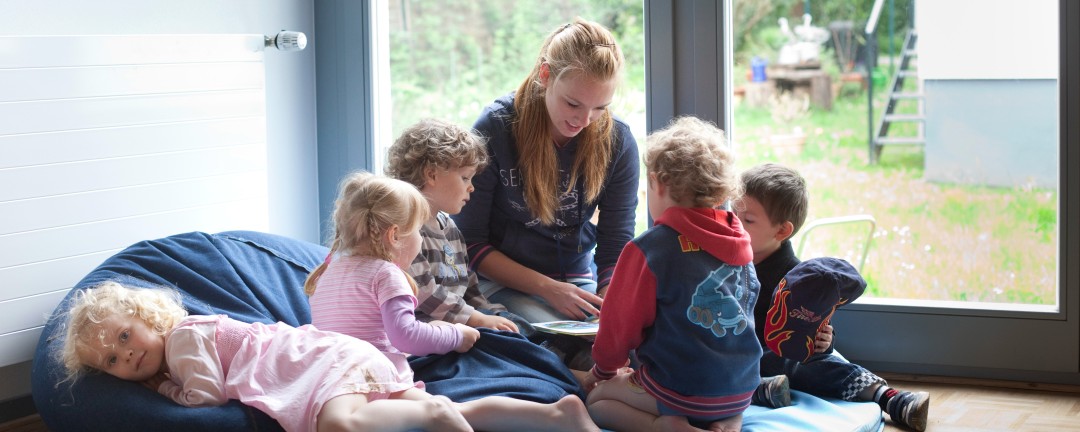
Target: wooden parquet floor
[
  {"x": 955, "y": 406},
  {"x": 26, "y": 424},
  {"x": 988, "y": 407}
]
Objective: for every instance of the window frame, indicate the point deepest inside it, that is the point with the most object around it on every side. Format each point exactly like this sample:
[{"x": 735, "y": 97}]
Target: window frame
[
  {"x": 916, "y": 337},
  {"x": 924, "y": 338}
]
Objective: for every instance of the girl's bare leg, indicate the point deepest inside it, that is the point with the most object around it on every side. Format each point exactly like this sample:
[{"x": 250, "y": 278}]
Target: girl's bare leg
[
  {"x": 404, "y": 411},
  {"x": 496, "y": 413}
]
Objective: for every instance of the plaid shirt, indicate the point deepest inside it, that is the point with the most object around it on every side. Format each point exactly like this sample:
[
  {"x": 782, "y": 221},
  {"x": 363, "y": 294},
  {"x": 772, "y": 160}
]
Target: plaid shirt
[{"x": 447, "y": 289}]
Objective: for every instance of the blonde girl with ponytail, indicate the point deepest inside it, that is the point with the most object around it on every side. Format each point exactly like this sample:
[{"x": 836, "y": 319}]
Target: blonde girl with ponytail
[
  {"x": 376, "y": 235},
  {"x": 362, "y": 290}
]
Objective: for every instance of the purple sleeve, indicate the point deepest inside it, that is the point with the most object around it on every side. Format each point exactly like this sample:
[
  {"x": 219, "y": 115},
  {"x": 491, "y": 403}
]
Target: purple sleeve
[{"x": 416, "y": 337}]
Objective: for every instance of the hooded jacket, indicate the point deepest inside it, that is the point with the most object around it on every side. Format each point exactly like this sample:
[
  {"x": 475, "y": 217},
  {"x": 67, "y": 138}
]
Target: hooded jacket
[{"x": 683, "y": 296}]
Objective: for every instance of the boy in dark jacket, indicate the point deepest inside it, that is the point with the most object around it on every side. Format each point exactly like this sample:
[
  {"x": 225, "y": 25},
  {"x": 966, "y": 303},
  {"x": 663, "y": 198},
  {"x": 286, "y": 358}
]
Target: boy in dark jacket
[{"x": 773, "y": 207}]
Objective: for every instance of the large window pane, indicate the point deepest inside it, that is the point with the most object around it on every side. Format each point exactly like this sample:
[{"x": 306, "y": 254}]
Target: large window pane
[
  {"x": 450, "y": 58},
  {"x": 965, "y": 191}
]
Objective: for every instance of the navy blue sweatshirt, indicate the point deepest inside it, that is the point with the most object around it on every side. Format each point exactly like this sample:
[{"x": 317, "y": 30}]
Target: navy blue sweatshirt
[
  {"x": 769, "y": 272},
  {"x": 496, "y": 217}
]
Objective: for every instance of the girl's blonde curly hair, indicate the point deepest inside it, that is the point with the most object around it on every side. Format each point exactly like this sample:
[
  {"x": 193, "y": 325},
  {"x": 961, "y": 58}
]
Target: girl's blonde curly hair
[{"x": 161, "y": 309}]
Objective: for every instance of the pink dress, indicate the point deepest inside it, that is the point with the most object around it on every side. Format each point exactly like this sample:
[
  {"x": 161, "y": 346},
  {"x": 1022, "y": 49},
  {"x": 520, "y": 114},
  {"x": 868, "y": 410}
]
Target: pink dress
[{"x": 286, "y": 372}]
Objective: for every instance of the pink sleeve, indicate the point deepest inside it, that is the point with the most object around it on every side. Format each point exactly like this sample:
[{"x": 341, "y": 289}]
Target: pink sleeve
[
  {"x": 196, "y": 376},
  {"x": 412, "y": 336}
]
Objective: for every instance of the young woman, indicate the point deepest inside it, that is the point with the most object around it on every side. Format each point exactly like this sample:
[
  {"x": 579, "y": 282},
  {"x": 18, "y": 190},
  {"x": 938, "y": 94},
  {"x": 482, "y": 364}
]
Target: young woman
[{"x": 557, "y": 157}]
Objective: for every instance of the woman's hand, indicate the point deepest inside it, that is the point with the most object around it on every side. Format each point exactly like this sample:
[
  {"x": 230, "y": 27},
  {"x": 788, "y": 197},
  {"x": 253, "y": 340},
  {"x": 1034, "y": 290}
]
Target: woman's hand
[
  {"x": 469, "y": 336},
  {"x": 564, "y": 297},
  {"x": 572, "y": 301},
  {"x": 824, "y": 339},
  {"x": 480, "y": 319}
]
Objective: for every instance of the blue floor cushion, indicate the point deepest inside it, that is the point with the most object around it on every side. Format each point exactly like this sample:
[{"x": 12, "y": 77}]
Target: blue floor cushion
[{"x": 810, "y": 413}]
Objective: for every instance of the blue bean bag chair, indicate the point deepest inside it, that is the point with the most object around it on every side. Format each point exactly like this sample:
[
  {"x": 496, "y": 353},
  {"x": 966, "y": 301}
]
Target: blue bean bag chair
[
  {"x": 258, "y": 277},
  {"x": 254, "y": 277},
  {"x": 249, "y": 276}
]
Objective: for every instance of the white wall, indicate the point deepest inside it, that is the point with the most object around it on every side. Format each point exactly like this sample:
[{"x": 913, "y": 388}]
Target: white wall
[
  {"x": 987, "y": 39},
  {"x": 290, "y": 89},
  {"x": 990, "y": 78}
]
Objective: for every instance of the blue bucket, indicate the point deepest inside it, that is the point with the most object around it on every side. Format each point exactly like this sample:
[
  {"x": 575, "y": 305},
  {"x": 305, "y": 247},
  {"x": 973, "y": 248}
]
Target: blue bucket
[{"x": 757, "y": 69}]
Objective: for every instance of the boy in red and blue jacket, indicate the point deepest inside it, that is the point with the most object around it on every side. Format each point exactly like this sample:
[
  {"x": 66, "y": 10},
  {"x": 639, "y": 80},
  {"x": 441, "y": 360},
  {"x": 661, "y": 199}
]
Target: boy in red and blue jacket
[{"x": 682, "y": 295}]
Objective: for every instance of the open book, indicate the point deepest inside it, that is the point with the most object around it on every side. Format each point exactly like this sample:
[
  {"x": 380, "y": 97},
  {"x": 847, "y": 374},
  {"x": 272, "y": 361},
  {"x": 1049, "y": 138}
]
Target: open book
[{"x": 569, "y": 327}]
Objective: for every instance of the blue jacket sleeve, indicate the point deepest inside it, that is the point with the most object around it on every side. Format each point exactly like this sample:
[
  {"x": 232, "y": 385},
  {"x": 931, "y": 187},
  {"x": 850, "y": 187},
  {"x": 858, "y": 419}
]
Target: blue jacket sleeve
[
  {"x": 474, "y": 218},
  {"x": 618, "y": 204}
]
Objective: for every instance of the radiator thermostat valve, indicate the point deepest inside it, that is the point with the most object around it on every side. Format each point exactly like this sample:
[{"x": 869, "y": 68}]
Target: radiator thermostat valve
[{"x": 287, "y": 41}]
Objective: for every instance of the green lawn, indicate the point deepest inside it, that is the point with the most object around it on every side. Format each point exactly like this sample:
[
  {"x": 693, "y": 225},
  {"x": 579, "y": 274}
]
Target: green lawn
[{"x": 933, "y": 241}]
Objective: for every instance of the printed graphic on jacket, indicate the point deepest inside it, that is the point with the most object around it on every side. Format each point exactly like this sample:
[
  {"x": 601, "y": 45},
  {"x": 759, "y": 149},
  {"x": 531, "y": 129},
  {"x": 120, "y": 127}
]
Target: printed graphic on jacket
[
  {"x": 714, "y": 309},
  {"x": 568, "y": 200}
]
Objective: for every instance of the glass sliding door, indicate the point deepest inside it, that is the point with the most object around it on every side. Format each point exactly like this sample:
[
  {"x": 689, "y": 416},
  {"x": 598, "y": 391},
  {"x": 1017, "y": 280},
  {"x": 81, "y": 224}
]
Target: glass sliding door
[{"x": 952, "y": 194}]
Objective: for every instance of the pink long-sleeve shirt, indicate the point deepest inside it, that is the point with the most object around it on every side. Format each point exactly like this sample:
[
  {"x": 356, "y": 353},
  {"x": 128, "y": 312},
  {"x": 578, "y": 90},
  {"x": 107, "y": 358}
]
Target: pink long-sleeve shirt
[{"x": 371, "y": 299}]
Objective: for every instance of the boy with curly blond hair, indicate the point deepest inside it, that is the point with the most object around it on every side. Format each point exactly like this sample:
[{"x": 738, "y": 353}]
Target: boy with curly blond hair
[{"x": 682, "y": 295}]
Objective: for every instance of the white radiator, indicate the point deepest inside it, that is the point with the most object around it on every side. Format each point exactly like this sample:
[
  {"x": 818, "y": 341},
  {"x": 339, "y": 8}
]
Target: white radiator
[{"x": 109, "y": 140}]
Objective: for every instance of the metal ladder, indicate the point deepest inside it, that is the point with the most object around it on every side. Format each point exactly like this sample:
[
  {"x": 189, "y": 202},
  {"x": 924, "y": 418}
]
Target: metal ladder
[{"x": 896, "y": 94}]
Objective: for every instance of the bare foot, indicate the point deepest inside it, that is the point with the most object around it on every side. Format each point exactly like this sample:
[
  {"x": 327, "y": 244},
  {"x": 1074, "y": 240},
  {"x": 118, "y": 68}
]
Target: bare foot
[
  {"x": 571, "y": 415},
  {"x": 675, "y": 424},
  {"x": 445, "y": 415},
  {"x": 730, "y": 424},
  {"x": 584, "y": 380}
]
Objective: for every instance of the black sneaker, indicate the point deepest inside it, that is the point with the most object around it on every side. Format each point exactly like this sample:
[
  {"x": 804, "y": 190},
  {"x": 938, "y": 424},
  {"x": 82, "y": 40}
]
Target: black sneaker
[
  {"x": 910, "y": 409},
  {"x": 773, "y": 392}
]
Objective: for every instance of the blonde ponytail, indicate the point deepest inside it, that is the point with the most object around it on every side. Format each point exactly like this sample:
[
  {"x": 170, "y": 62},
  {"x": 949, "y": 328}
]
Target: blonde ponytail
[
  {"x": 367, "y": 206},
  {"x": 581, "y": 48}
]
